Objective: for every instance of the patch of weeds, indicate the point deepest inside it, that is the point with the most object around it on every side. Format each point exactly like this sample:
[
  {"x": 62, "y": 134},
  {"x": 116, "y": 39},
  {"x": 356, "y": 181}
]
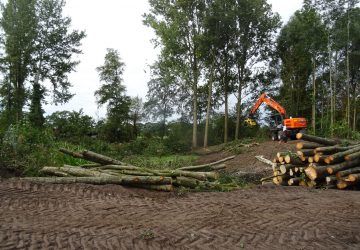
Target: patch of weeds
[
  {"x": 181, "y": 192},
  {"x": 241, "y": 146},
  {"x": 228, "y": 178},
  {"x": 147, "y": 234},
  {"x": 161, "y": 162}
]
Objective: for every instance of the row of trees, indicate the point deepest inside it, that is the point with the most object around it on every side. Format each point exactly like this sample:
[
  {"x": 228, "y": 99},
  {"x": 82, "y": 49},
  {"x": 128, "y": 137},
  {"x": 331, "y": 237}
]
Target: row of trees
[
  {"x": 209, "y": 49},
  {"x": 212, "y": 49},
  {"x": 38, "y": 52},
  {"x": 319, "y": 52}
]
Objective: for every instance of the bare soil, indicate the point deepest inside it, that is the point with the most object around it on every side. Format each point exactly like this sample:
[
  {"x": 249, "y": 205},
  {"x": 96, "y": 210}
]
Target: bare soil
[{"x": 79, "y": 216}]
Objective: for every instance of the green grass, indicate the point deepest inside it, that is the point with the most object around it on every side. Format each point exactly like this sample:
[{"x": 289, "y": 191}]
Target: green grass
[{"x": 161, "y": 162}]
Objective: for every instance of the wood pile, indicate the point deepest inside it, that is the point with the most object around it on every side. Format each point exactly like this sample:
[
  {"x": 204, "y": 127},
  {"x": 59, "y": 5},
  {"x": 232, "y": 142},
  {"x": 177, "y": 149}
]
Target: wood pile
[
  {"x": 106, "y": 170},
  {"x": 318, "y": 162}
]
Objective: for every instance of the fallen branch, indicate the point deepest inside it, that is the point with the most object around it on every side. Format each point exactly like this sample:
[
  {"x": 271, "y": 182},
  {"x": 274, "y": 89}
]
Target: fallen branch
[
  {"x": 266, "y": 161},
  {"x": 203, "y": 166}
]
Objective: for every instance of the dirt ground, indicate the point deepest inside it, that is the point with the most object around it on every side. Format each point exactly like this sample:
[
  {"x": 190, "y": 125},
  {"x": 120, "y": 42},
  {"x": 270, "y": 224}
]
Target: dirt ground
[{"x": 79, "y": 216}]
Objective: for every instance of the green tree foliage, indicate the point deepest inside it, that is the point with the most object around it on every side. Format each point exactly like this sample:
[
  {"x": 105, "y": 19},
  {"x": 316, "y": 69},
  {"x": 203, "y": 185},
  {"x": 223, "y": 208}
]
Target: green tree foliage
[
  {"x": 18, "y": 23},
  {"x": 161, "y": 95},
  {"x": 113, "y": 94},
  {"x": 301, "y": 40},
  {"x": 136, "y": 113},
  {"x": 36, "y": 112},
  {"x": 54, "y": 47},
  {"x": 179, "y": 27},
  {"x": 39, "y": 46},
  {"x": 70, "y": 125}
]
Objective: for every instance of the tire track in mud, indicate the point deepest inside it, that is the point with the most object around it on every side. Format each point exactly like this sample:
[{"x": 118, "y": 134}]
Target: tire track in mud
[{"x": 111, "y": 217}]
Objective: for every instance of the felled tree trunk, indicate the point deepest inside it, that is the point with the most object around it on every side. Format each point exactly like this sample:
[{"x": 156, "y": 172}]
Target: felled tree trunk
[
  {"x": 186, "y": 182},
  {"x": 347, "y": 172},
  {"x": 308, "y": 145},
  {"x": 320, "y": 140},
  {"x": 352, "y": 156},
  {"x": 102, "y": 159},
  {"x": 92, "y": 156},
  {"x": 338, "y": 157},
  {"x": 333, "y": 169},
  {"x": 318, "y": 158},
  {"x": 305, "y": 152},
  {"x": 315, "y": 173},
  {"x": 80, "y": 172},
  {"x": 354, "y": 177},
  {"x": 285, "y": 168},
  {"x": 294, "y": 182},
  {"x": 332, "y": 149},
  {"x": 331, "y": 180},
  {"x": 203, "y": 176},
  {"x": 71, "y": 153},
  {"x": 121, "y": 180},
  {"x": 341, "y": 184},
  {"x": 204, "y": 166}
]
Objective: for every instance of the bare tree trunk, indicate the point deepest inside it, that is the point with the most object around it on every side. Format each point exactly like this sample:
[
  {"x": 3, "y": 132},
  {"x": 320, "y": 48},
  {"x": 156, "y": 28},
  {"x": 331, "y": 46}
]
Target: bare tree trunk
[
  {"x": 226, "y": 113},
  {"x": 331, "y": 91},
  {"x": 194, "y": 135},
  {"x": 225, "y": 79},
  {"x": 208, "y": 107},
  {"x": 348, "y": 72},
  {"x": 314, "y": 99},
  {"x": 355, "y": 109},
  {"x": 238, "y": 105},
  {"x": 322, "y": 112}
]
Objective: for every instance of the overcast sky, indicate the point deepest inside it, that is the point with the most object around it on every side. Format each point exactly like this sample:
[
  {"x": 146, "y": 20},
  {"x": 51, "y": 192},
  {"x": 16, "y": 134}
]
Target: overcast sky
[{"x": 118, "y": 24}]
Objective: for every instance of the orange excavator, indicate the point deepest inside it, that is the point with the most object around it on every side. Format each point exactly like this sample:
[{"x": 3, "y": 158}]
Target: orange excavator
[{"x": 281, "y": 127}]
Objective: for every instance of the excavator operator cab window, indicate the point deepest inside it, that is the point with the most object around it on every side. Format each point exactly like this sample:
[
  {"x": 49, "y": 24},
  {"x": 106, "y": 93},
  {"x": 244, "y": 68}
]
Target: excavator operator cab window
[{"x": 275, "y": 121}]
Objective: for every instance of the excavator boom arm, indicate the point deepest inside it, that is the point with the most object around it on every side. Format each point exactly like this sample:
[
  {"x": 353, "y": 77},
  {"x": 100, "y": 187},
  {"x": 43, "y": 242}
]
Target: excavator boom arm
[{"x": 264, "y": 98}]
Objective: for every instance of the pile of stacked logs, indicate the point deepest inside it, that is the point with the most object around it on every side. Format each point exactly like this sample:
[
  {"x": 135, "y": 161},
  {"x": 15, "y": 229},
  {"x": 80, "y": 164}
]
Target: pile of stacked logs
[
  {"x": 106, "y": 170},
  {"x": 319, "y": 162}
]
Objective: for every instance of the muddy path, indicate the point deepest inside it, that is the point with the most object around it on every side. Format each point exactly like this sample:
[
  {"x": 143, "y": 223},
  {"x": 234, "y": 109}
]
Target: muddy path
[{"x": 45, "y": 216}]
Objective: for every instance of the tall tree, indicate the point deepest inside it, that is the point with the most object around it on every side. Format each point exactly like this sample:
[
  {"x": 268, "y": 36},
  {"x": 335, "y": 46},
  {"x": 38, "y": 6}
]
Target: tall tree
[
  {"x": 38, "y": 46},
  {"x": 161, "y": 95},
  {"x": 223, "y": 32},
  {"x": 257, "y": 26},
  {"x": 336, "y": 16},
  {"x": 178, "y": 26},
  {"x": 18, "y": 23},
  {"x": 54, "y": 46},
  {"x": 113, "y": 93},
  {"x": 136, "y": 113},
  {"x": 300, "y": 45}
]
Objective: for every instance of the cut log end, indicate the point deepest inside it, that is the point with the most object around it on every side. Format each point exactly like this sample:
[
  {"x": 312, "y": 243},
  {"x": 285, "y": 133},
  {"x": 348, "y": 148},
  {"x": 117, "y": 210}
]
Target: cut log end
[
  {"x": 287, "y": 158},
  {"x": 330, "y": 170},
  {"x": 299, "y": 136},
  {"x": 294, "y": 182},
  {"x": 311, "y": 173},
  {"x": 353, "y": 177},
  {"x": 343, "y": 184}
]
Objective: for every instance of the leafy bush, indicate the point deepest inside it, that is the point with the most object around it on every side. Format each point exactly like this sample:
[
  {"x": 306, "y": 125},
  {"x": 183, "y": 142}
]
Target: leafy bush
[{"x": 68, "y": 124}]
